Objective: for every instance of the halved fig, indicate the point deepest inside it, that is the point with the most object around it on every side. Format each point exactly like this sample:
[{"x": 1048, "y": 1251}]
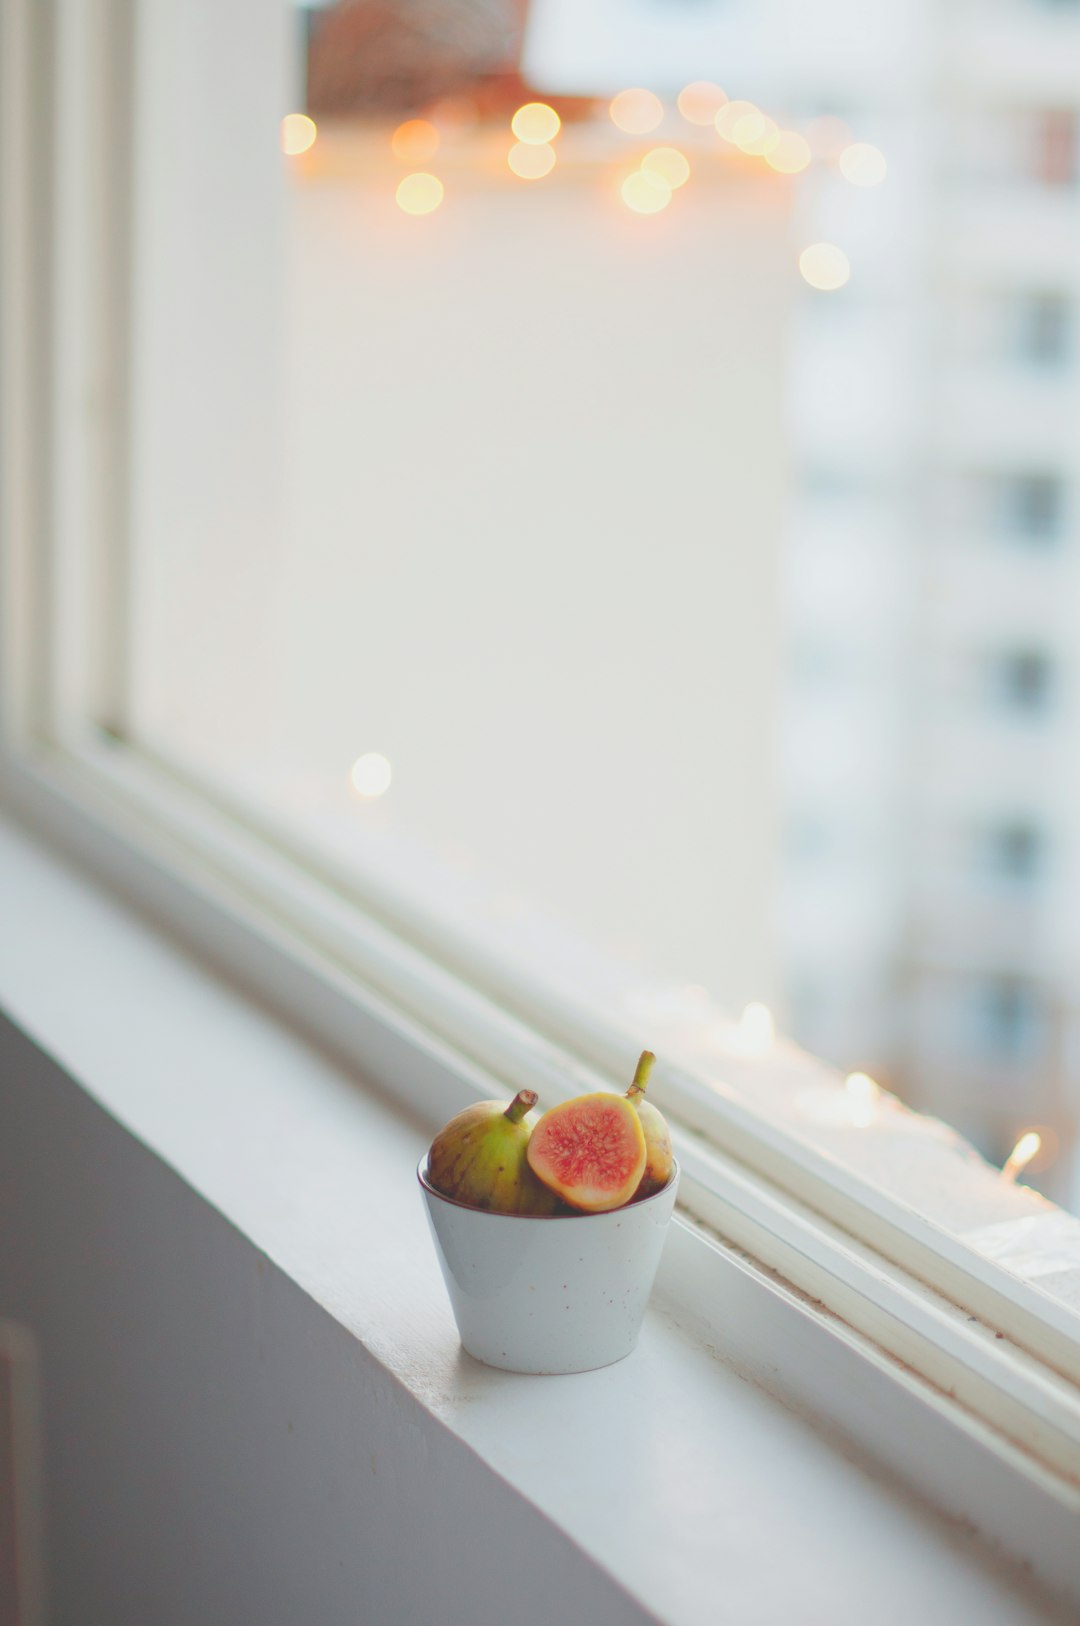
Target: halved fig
[{"x": 590, "y": 1151}]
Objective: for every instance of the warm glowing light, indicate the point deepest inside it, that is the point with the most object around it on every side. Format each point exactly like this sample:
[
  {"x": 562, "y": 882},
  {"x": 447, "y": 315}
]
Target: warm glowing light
[
  {"x": 790, "y": 154},
  {"x": 862, "y": 1094},
  {"x": 729, "y": 115},
  {"x": 757, "y": 1030},
  {"x": 636, "y": 111},
  {"x": 863, "y": 164},
  {"x": 536, "y": 123},
  {"x": 419, "y": 194},
  {"x": 371, "y": 775},
  {"x": 669, "y": 164},
  {"x": 700, "y": 102},
  {"x": 824, "y": 266},
  {"x": 755, "y": 133},
  {"x": 645, "y": 192},
  {"x": 531, "y": 163},
  {"x": 1021, "y": 1155},
  {"x": 415, "y": 141},
  {"x": 298, "y": 133}
]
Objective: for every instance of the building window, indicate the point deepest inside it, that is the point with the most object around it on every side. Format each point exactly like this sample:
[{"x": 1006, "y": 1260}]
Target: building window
[
  {"x": 1032, "y": 505},
  {"x": 1044, "y": 328},
  {"x": 1022, "y": 680},
  {"x": 1010, "y": 1016},
  {"x": 1055, "y": 159},
  {"x": 1015, "y": 849}
]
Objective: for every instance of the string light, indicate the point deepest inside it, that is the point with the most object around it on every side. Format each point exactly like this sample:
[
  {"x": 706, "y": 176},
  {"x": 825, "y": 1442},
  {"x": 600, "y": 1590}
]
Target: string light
[
  {"x": 645, "y": 192},
  {"x": 757, "y": 1029},
  {"x": 370, "y": 775},
  {"x": 415, "y": 142},
  {"x": 669, "y": 164},
  {"x": 700, "y": 102},
  {"x": 663, "y": 170},
  {"x": 1021, "y": 1155},
  {"x": 862, "y": 1093},
  {"x": 728, "y": 117},
  {"x": 420, "y": 193},
  {"x": 531, "y": 163},
  {"x": 824, "y": 266},
  {"x": 298, "y": 133},
  {"x": 790, "y": 154},
  {"x": 755, "y": 133},
  {"x": 536, "y": 124},
  {"x": 863, "y": 164},
  {"x": 636, "y": 111}
]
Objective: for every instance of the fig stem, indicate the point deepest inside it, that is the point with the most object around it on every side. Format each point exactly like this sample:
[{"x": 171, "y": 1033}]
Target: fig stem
[
  {"x": 523, "y": 1102},
  {"x": 641, "y": 1075}
]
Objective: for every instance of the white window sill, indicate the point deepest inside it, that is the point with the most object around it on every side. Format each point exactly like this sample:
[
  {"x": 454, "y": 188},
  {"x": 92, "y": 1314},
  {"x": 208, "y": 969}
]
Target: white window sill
[{"x": 675, "y": 1472}]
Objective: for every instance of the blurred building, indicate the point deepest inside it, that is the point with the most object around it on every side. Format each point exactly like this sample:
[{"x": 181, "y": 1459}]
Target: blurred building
[
  {"x": 932, "y": 741},
  {"x": 927, "y": 914}
]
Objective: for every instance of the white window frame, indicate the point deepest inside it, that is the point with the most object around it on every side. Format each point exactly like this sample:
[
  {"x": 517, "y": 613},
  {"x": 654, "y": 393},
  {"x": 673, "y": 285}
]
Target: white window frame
[{"x": 429, "y": 1015}]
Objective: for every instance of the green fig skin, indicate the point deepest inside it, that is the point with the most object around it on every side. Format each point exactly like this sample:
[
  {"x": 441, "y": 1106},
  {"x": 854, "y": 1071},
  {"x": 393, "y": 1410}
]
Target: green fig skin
[
  {"x": 478, "y": 1159},
  {"x": 659, "y": 1158}
]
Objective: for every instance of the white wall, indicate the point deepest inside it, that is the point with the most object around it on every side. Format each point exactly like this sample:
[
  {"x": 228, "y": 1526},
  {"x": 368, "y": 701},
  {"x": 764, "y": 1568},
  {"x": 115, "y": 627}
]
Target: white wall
[{"x": 218, "y": 1448}]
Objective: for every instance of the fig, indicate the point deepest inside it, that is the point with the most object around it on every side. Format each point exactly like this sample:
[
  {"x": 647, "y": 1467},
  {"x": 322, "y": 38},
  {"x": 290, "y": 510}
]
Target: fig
[
  {"x": 658, "y": 1156},
  {"x": 590, "y": 1151},
  {"x": 478, "y": 1158}
]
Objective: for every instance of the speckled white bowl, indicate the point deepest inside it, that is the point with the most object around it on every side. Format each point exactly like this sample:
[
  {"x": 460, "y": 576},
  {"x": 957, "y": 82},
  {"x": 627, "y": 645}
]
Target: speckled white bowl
[{"x": 560, "y": 1294}]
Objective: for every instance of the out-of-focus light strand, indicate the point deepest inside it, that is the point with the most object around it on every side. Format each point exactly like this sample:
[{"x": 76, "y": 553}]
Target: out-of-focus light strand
[
  {"x": 419, "y": 193},
  {"x": 1026, "y": 1148},
  {"x": 636, "y": 111},
  {"x": 531, "y": 163},
  {"x": 824, "y": 266},
  {"x": 535, "y": 124},
  {"x": 863, "y": 164},
  {"x": 415, "y": 142},
  {"x": 298, "y": 133}
]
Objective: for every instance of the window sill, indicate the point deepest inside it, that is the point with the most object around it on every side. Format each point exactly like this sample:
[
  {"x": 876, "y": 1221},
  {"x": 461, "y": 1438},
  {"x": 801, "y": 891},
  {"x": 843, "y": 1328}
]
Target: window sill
[{"x": 697, "y": 1463}]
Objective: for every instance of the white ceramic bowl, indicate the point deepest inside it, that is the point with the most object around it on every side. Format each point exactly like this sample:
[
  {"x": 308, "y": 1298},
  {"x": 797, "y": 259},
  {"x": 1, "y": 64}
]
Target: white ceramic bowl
[{"x": 564, "y": 1293}]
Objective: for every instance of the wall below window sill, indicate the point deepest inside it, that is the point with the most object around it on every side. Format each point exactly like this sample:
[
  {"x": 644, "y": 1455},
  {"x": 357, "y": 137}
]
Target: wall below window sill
[{"x": 255, "y": 1404}]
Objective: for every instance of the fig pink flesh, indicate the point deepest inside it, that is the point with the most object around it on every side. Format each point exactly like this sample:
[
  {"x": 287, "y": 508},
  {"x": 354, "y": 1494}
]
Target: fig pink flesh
[{"x": 590, "y": 1150}]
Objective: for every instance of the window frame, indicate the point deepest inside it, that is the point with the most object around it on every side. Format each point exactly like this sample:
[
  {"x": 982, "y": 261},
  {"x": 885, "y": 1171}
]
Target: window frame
[{"x": 360, "y": 970}]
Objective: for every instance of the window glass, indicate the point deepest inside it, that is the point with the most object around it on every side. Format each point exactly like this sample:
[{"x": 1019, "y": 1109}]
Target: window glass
[{"x": 605, "y": 475}]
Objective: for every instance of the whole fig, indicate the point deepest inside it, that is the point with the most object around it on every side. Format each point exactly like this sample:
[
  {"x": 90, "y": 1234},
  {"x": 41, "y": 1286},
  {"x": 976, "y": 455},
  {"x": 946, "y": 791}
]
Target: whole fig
[{"x": 479, "y": 1159}]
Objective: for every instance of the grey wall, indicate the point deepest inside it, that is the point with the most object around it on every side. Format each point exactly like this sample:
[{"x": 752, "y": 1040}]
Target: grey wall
[{"x": 217, "y": 1448}]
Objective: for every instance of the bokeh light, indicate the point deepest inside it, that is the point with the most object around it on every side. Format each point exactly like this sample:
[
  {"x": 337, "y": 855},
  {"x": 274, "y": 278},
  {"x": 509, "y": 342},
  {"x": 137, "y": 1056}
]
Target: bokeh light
[
  {"x": 535, "y": 124},
  {"x": 863, "y": 164},
  {"x": 636, "y": 111},
  {"x": 420, "y": 193},
  {"x": 298, "y": 133},
  {"x": 790, "y": 154},
  {"x": 755, "y": 133},
  {"x": 729, "y": 115},
  {"x": 370, "y": 775},
  {"x": 415, "y": 141},
  {"x": 700, "y": 102},
  {"x": 824, "y": 266},
  {"x": 646, "y": 193},
  {"x": 757, "y": 1029},
  {"x": 531, "y": 163},
  {"x": 1021, "y": 1155},
  {"x": 862, "y": 1095},
  {"x": 669, "y": 163}
]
